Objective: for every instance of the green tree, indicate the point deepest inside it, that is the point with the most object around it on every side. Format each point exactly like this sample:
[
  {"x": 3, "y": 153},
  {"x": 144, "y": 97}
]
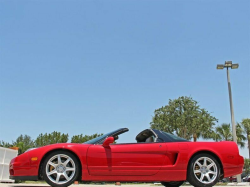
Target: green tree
[
  {"x": 241, "y": 138},
  {"x": 184, "y": 117},
  {"x": 224, "y": 132},
  {"x": 52, "y": 138},
  {"x": 246, "y": 126},
  {"x": 5, "y": 144},
  {"x": 81, "y": 139},
  {"x": 23, "y": 142},
  {"x": 247, "y": 165}
]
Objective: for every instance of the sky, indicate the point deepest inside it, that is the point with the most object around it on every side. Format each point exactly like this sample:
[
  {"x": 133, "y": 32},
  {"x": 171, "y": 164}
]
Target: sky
[{"x": 94, "y": 66}]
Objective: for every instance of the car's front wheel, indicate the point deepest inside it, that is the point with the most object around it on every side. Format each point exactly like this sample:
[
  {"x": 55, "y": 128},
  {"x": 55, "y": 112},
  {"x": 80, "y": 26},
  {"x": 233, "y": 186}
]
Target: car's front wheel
[
  {"x": 203, "y": 170},
  {"x": 172, "y": 184},
  {"x": 60, "y": 168}
]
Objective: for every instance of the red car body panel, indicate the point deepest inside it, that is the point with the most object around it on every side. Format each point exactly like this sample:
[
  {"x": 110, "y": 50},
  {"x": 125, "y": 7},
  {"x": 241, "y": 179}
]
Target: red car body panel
[
  {"x": 143, "y": 159},
  {"x": 22, "y": 165},
  {"x": 162, "y": 161}
]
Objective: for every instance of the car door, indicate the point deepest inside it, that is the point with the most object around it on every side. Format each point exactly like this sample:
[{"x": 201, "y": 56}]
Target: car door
[{"x": 126, "y": 159}]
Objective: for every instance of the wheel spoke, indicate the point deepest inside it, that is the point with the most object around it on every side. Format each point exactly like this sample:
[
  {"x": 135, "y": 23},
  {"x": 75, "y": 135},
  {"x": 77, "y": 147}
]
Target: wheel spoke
[
  {"x": 66, "y": 176},
  {"x": 70, "y": 169},
  {"x": 52, "y": 164},
  {"x": 199, "y": 164},
  {"x": 58, "y": 177},
  {"x": 59, "y": 159},
  {"x": 52, "y": 172},
  {"x": 205, "y": 162},
  {"x": 202, "y": 177},
  {"x": 212, "y": 172},
  {"x": 210, "y": 165},
  {"x": 66, "y": 162},
  {"x": 197, "y": 171},
  {"x": 208, "y": 177}
]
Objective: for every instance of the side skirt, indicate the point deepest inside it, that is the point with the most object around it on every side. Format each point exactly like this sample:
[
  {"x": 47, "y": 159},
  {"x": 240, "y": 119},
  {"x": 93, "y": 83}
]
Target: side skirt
[{"x": 24, "y": 178}]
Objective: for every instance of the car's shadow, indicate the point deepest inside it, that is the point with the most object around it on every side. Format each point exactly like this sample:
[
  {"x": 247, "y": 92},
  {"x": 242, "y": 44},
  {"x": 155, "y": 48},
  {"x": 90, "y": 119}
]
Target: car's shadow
[{"x": 21, "y": 185}]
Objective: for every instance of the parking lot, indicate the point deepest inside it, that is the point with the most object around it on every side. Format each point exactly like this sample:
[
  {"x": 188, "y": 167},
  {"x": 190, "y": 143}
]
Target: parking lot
[{"x": 108, "y": 185}]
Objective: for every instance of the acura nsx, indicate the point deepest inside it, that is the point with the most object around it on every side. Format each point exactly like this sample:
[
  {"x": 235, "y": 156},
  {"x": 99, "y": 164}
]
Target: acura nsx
[{"x": 156, "y": 156}]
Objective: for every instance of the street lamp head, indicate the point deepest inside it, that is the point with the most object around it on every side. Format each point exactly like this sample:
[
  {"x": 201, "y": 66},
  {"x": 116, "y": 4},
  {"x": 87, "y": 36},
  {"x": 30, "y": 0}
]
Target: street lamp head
[
  {"x": 228, "y": 64},
  {"x": 235, "y": 66},
  {"x": 220, "y": 66}
]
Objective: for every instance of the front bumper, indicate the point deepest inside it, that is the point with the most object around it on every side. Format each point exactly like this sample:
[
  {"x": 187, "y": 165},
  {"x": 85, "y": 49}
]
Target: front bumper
[{"x": 20, "y": 168}]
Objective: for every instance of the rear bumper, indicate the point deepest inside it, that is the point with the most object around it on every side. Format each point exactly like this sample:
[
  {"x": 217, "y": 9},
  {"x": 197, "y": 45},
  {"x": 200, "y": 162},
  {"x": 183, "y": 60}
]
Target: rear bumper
[
  {"x": 237, "y": 169},
  {"x": 232, "y": 171},
  {"x": 24, "y": 178}
]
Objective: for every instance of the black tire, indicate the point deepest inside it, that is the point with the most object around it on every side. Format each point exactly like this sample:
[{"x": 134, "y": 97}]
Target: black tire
[
  {"x": 203, "y": 170},
  {"x": 60, "y": 168},
  {"x": 172, "y": 184}
]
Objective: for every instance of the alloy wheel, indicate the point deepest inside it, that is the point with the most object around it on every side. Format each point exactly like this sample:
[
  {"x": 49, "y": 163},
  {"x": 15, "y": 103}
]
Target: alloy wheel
[
  {"x": 205, "y": 170},
  {"x": 60, "y": 168}
]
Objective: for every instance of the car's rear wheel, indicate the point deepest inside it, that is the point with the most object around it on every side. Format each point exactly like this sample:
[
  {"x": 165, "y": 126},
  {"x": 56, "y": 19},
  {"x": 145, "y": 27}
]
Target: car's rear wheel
[
  {"x": 172, "y": 184},
  {"x": 203, "y": 170},
  {"x": 60, "y": 168}
]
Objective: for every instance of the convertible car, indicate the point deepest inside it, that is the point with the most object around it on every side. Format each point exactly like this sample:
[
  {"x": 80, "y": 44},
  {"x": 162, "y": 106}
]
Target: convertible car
[{"x": 156, "y": 157}]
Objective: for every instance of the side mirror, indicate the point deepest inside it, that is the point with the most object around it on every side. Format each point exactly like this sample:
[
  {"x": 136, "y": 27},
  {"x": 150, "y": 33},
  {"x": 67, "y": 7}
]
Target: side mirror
[{"x": 108, "y": 141}]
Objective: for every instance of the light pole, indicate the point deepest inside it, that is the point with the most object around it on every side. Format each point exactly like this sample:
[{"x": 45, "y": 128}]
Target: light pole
[{"x": 229, "y": 64}]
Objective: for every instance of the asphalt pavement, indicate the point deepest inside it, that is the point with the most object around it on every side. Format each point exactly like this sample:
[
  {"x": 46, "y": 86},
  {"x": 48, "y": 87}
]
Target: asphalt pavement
[{"x": 106, "y": 185}]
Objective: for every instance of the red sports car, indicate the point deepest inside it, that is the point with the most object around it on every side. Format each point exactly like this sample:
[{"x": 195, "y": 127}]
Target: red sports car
[{"x": 157, "y": 156}]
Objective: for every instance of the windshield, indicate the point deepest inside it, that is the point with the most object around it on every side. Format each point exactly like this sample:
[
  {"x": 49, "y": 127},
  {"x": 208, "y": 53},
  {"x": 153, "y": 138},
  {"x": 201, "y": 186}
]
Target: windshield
[{"x": 99, "y": 138}]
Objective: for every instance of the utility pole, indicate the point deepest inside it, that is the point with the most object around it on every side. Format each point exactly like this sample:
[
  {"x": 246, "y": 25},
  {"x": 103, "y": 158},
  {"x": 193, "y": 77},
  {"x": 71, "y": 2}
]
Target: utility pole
[{"x": 229, "y": 64}]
